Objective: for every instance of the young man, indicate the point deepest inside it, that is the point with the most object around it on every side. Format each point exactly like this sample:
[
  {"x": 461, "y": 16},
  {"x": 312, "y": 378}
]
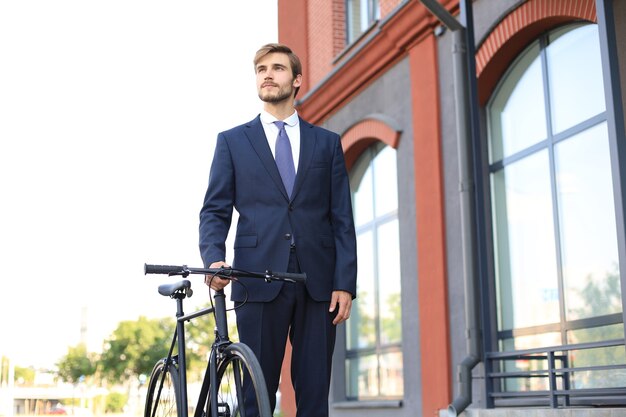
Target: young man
[{"x": 287, "y": 179}]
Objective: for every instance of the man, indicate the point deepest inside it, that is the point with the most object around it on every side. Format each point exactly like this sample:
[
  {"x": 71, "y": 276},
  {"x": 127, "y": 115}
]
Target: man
[{"x": 288, "y": 182}]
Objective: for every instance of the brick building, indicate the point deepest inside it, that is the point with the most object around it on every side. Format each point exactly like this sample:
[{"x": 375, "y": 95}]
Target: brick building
[{"x": 489, "y": 208}]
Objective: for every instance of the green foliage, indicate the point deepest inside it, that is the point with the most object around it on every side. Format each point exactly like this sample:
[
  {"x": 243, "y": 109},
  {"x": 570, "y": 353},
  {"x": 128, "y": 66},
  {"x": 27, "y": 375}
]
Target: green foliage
[
  {"x": 115, "y": 402},
  {"x": 24, "y": 376},
  {"x": 391, "y": 322},
  {"x": 77, "y": 364},
  {"x": 4, "y": 370},
  {"x": 199, "y": 335},
  {"x": 600, "y": 297},
  {"x": 135, "y": 346}
]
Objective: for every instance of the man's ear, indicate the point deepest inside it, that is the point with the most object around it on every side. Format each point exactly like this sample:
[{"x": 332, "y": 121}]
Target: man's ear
[{"x": 297, "y": 82}]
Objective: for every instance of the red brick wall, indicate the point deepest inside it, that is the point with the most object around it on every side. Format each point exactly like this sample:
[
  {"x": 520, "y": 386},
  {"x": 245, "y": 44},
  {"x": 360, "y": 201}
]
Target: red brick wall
[
  {"x": 339, "y": 26},
  {"x": 386, "y": 6},
  {"x": 319, "y": 35},
  {"x": 321, "y": 42},
  {"x": 293, "y": 31}
]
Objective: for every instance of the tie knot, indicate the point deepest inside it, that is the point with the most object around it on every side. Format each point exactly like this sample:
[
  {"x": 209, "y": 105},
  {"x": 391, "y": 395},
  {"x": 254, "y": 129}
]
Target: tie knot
[{"x": 279, "y": 124}]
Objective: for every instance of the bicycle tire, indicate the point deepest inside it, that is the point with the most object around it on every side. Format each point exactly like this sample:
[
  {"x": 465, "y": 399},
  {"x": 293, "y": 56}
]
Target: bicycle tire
[
  {"x": 237, "y": 363},
  {"x": 165, "y": 401}
]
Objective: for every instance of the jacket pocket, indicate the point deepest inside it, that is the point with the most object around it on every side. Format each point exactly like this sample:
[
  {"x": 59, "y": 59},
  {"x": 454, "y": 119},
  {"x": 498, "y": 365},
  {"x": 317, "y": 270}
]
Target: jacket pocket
[
  {"x": 319, "y": 165},
  {"x": 245, "y": 241}
]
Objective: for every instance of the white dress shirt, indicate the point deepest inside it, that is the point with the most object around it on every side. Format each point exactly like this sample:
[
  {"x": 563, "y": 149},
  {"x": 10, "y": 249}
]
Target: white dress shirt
[{"x": 292, "y": 127}]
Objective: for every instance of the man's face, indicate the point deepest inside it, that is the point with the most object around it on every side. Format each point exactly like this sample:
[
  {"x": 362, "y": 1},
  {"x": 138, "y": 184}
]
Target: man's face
[{"x": 274, "y": 79}]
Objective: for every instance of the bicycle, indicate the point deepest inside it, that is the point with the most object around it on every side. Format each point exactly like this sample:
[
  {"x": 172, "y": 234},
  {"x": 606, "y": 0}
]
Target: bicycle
[{"x": 229, "y": 363}]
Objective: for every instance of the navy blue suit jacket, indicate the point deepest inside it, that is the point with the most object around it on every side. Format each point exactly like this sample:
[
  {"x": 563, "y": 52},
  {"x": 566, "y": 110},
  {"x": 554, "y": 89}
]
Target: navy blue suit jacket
[{"x": 244, "y": 176}]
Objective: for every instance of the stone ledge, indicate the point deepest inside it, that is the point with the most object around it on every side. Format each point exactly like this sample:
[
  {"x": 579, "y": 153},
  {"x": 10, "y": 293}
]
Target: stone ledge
[{"x": 541, "y": 412}]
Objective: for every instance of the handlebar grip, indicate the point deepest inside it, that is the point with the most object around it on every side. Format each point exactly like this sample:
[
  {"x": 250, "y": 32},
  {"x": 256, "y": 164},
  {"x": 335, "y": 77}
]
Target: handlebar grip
[
  {"x": 161, "y": 269},
  {"x": 294, "y": 277}
]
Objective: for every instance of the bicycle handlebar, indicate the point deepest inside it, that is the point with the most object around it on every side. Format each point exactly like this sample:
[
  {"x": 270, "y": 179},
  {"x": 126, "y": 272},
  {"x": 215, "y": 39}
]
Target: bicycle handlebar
[{"x": 223, "y": 272}]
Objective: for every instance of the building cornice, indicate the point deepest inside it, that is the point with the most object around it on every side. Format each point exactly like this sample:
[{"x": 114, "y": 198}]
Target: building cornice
[{"x": 386, "y": 43}]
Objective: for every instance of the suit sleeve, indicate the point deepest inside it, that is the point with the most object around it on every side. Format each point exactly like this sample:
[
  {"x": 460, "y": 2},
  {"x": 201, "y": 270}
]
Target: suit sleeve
[
  {"x": 343, "y": 224},
  {"x": 217, "y": 209}
]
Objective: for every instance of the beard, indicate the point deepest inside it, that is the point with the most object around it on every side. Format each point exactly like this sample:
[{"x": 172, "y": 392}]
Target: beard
[{"x": 281, "y": 95}]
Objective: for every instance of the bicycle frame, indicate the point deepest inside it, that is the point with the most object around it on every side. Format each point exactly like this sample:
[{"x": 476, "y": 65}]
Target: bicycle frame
[
  {"x": 221, "y": 340},
  {"x": 223, "y": 351},
  {"x": 179, "y": 340}
]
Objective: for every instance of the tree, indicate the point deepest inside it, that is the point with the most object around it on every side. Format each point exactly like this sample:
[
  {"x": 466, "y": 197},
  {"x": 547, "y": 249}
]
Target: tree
[
  {"x": 199, "y": 335},
  {"x": 77, "y": 364},
  {"x": 601, "y": 297},
  {"x": 135, "y": 346},
  {"x": 24, "y": 376}
]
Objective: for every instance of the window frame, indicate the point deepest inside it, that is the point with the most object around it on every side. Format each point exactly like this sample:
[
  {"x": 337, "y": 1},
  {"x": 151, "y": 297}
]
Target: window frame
[
  {"x": 373, "y": 15},
  {"x": 493, "y": 336},
  {"x": 373, "y": 150}
]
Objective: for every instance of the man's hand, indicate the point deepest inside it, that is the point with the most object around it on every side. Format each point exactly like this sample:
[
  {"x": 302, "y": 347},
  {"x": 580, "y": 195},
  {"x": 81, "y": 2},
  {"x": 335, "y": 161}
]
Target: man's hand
[
  {"x": 344, "y": 300},
  {"x": 216, "y": 282}
]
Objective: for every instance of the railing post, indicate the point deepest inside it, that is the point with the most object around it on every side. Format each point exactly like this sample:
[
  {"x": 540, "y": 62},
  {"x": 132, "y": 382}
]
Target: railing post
[
  {"x": 566, "y": 376},
  {"x": 554, "y": 400}
]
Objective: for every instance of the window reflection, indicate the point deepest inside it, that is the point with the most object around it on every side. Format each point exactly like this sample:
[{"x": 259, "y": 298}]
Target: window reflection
[
  {"x": 602, "y": 356},
  {"x": 386, "y": 182},
  {"x": 361, "y": 329},
  {"x": 517, "y": 113},
  {"x": 554, "y": 231},
  {"x": 360, "y": 15},
  {"x": 524, "y": 364},
  {"x": 525, "y": 246},
  {"x": 575, "y": 76},
  {"x": 587, "y": 219},
  {"x": 362, "y": 186},
  {"x": 390, "y": 317},
  {"x": 374, "y": 331}
]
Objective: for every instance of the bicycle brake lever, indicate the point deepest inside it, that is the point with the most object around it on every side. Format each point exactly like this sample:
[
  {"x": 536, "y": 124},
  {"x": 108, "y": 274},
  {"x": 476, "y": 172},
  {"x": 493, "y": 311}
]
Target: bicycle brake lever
[{"x": 184, "y": 272}]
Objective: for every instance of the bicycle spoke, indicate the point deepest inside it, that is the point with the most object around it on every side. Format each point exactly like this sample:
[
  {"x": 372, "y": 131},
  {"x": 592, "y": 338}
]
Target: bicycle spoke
[{"x": 162, "y": 399}]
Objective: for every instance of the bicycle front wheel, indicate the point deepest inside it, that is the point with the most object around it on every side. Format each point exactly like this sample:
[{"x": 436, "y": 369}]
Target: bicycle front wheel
[
  {"x": 239, "y": 369},
  {"x": 163, "y": 399}
]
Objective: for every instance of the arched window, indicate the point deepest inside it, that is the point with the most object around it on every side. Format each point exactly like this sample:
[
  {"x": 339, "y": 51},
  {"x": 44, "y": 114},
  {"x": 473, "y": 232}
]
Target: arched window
[
  {"x": 374, "y": 331},
  {"x": 554, "y": 231}
]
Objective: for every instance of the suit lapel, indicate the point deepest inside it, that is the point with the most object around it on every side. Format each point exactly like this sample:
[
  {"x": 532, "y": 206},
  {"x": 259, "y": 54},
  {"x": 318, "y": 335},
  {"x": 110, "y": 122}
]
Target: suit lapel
[
  {"x": 307, "y": 146},
  {"x": 256, "y": 136}
]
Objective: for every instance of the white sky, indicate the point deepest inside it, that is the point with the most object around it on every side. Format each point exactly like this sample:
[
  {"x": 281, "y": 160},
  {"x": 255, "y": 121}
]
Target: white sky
[{"x": 108, "y": 116}]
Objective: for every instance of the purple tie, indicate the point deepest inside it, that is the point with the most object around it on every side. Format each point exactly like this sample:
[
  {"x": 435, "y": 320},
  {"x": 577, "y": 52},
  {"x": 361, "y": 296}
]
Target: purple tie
[{"x": 284, "y": 157}]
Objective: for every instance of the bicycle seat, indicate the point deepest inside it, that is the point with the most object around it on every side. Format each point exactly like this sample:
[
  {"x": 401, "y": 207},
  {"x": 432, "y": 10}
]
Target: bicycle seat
[{"x": 169, "y": 289}]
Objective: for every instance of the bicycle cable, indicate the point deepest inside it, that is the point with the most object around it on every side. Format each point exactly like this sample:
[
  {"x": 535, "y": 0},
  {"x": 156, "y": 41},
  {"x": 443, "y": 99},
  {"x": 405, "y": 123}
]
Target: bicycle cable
[{"x": 226, "y": 273}]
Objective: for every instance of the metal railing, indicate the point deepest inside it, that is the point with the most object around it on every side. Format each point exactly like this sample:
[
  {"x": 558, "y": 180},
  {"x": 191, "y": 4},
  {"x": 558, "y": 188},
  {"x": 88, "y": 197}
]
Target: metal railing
[{"x": 549, "y": 376}]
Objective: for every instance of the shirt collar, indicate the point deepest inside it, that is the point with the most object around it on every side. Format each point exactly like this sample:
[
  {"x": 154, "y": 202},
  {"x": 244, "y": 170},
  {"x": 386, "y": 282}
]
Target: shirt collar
[{"x": 290, "y": 121}]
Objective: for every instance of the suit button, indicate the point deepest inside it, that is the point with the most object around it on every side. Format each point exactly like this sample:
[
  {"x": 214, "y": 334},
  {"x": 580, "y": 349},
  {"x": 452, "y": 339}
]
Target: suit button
[
  {"x": 290, "y": 207},
  {"x": 287, "y": 236}
]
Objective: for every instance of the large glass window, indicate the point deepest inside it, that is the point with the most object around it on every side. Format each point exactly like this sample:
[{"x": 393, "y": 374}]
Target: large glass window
[
  {"x": 360, "y": 15},
  {"x": 555, "y": 239},
  {"x": 374, "y": 331}
]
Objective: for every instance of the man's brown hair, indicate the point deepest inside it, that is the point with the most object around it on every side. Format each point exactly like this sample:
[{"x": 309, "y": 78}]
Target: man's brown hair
[{"x": 296, "y": 65}]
